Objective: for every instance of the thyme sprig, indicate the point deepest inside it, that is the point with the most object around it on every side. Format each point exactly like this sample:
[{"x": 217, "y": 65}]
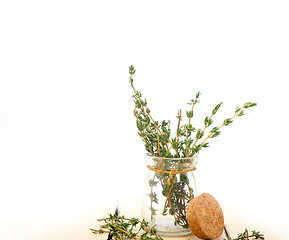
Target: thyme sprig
[
  {"x": 157, "y": 136},
  {"x": 133, "y": 228},
  {"x": 120, "y": 227},
  {"x": 245, "y": 235}
]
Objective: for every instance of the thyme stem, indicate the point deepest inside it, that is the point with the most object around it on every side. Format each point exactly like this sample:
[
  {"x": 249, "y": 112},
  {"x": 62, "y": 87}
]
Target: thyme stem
[
  {"x": 211, "y": 133},
  {"x": 150, "y": 115},
  {"x": 199, "y": 135}
]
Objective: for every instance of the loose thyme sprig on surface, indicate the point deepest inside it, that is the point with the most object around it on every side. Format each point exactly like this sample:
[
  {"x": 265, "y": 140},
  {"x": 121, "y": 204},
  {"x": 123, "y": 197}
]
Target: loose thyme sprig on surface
[
  {"x": 124, "y": 228},
  {"x": 157, "y": 136},
  {"x": 245, "y": 235},
  {"x": 120, "y": 227}
]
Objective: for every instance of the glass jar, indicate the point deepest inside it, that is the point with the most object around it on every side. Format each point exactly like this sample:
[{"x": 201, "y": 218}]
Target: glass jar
[{"x": 170, "y": 185}]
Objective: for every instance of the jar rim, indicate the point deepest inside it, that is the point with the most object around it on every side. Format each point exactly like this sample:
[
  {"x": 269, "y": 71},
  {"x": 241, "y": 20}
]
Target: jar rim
[
  {"x": 173, "y": 159},
  {"x": 178, "y": 163}
]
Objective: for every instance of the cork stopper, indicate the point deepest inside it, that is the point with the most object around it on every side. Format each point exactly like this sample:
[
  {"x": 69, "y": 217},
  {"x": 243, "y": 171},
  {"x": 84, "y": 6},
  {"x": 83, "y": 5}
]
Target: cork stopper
[{"x": 205, "y": 217}]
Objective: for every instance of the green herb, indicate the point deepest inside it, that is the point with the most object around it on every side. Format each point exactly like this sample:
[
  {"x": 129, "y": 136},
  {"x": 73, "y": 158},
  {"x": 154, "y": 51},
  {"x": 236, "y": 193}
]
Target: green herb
[
  {"x": 245, "y": 235},
  {"x": 187, "y": 142},
  {"x": 123, "y": 228},
  {"x": 157, "y": 135}
]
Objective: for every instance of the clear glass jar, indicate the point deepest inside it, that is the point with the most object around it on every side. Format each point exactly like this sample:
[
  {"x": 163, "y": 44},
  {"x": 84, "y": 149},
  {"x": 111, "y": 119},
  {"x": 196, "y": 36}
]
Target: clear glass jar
[{"x": 170, "y": 185}]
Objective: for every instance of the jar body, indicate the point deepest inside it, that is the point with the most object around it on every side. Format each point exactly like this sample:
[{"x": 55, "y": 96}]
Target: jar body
[{"x": 169, "y": 186}]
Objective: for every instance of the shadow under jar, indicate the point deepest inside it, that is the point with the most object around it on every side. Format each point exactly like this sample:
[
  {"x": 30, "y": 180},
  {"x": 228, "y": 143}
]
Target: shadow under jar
[{"x": 169, "y": 186}]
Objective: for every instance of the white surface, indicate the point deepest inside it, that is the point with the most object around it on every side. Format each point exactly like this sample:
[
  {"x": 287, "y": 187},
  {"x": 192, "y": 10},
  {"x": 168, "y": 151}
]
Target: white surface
[{"x": 68, "y": 143}]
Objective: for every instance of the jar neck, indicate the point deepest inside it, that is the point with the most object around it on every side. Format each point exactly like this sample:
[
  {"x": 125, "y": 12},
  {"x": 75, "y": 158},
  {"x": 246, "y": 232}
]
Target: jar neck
[{"x": 179, "y": 164}]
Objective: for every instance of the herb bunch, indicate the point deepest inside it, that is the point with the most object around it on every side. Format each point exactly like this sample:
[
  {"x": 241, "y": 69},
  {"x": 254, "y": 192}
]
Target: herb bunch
[
  {"x": 188, "y": 140},
  {"x": 120, "y": 227}
]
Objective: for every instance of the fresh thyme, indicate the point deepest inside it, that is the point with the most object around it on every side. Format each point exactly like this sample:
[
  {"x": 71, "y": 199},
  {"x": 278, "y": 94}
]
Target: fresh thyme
[
  {"x": 157, "y": 136},
  {"x": 120, "y": 227},
  {"x": 245, "y": 235},
  {"x": 187, "y": 142}
]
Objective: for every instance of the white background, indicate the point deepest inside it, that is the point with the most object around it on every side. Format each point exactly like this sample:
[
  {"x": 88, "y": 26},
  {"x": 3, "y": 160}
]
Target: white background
[{"x": 69, "y": 148}]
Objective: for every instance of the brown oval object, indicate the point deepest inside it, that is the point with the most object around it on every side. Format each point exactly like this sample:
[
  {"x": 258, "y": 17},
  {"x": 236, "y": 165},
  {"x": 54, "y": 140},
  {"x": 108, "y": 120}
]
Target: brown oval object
[{"x": 205, "y": 217}]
